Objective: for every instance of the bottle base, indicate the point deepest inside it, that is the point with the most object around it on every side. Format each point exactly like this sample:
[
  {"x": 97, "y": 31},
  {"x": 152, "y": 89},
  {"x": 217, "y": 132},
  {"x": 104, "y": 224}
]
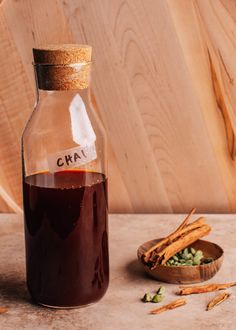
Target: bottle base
[
  {"x": 66, "y": 307},
  {"x": 52, "y": 306}
]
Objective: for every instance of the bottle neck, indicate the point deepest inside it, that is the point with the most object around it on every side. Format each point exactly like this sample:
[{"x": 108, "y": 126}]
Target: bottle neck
[
  {"x": 62, "y": 77},
  {"x": 61, "y": 94}
]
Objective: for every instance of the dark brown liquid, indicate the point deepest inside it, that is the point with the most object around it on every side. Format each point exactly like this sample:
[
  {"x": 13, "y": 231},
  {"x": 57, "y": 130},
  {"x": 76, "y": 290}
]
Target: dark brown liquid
[{"x": 66, "y": 237}]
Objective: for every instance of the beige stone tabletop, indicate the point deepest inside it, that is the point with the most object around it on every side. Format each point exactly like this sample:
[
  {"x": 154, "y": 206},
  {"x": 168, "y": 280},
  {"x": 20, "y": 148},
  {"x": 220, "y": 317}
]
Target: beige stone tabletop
[{"x": 121, "y": 307}]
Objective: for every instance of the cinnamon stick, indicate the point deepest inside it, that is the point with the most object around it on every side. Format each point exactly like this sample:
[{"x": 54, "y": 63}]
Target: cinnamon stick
[
  {"x": 176, "y": 242},
  {"x": 174, "y": 304},
  {"x": 217, "y": 300},
  {"x": 182, "y": 237},
  {"x": 187, "y": 290},
  {"x": 183, "y": 242},
  {"x": 3, "y": 310},
  {"x": 186, "y": 220},
  {"x": 172, "y": 236}
]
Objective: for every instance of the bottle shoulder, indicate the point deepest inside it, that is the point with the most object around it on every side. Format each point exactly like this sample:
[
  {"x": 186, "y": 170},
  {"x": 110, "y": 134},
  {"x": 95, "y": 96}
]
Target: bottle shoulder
[{"x": 68, "y": 116}]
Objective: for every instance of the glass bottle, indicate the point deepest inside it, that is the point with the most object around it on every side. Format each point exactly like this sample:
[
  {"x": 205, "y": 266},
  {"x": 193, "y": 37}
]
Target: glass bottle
[{"x": 65, "y": 183}]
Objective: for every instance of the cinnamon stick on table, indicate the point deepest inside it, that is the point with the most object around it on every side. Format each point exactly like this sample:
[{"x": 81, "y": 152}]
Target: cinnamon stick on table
[
  {"x": 218, "y": 300},
  {"x": 174, "y": 304},
  {"x": 187, "y": 290},
  {"x": 3, "y": 310}
]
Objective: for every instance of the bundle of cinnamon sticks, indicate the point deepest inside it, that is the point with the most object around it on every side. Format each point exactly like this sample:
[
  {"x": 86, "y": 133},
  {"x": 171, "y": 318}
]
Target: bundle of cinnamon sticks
[{"x": 186, "y": 234}]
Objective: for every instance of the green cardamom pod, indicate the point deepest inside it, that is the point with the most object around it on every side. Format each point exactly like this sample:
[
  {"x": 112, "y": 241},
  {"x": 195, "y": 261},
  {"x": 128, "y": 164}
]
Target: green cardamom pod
[
  {"x": 147, "y": 297},
  {"x": 189, "y": 263},
  {"x": 190, "y": 256},
  {"x": 185, "y": 251},
  {"x": 161, "y": 290},
  {"x": 199, "y": 253},
  {"x": 157, "y": 298},
  {"x": 196, "y": 260}
]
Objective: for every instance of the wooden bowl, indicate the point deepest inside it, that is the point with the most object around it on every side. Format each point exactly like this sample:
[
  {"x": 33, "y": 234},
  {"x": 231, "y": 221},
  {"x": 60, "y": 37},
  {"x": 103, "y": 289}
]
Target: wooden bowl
[{"x": 186, "y": 274}]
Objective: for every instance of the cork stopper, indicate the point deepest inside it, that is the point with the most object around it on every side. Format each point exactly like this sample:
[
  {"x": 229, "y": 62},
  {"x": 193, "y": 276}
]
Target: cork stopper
[
  {"x": 62, "y": 67},
  {"x": 62, "y": 54}
]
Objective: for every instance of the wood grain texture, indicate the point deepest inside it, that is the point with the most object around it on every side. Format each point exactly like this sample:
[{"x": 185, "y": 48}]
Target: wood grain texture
[{"x": 164, "y": 86}]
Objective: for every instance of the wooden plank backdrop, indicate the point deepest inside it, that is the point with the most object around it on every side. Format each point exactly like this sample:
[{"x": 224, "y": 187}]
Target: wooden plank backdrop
[{"x": 164, "y": 85}]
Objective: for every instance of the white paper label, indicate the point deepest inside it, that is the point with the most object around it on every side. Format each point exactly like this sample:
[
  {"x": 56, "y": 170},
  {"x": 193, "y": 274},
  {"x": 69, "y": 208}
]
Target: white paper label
[
  {"x": 71, "y": 158},
  {"x": 81, "y": 127}
]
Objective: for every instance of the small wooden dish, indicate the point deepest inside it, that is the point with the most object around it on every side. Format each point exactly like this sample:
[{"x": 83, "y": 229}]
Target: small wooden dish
[{"x": 186, "y": 274}]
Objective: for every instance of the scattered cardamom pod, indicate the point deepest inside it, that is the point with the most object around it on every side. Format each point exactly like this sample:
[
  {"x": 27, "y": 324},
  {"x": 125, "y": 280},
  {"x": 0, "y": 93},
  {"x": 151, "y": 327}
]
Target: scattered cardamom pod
[
  {"x": 161, "y": 290},
  {"x": 157, "y": 298},
  {"x": 147, "y": 297}
]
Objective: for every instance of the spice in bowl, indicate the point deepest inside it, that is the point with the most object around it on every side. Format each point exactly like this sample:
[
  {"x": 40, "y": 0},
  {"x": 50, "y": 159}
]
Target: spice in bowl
[
  {"x": 182, "y": 257},
  {"x": 189, "y": 257},
  {"x": 171, "y": 246}
]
